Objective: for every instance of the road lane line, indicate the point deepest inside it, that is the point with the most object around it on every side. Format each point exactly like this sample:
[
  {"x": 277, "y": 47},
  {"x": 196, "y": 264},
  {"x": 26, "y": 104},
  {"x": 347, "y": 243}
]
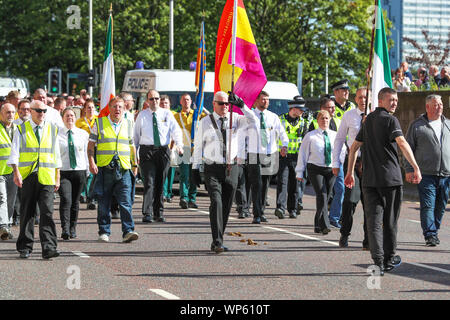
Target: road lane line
[
  {"x": 164, "y": 294},
  {"x": 429, "y": 267},
  {"x": 80, "y": 254},
  {"x": 301, "y": 235},
  {"x": 415, "y": 221},
  {"x": 286, "y": 231}
]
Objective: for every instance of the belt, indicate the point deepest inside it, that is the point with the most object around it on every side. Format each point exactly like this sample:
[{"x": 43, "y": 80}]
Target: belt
[{"x": 152, "y": 147}]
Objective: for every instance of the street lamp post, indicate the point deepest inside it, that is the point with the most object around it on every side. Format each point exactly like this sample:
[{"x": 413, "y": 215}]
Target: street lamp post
[{"x": 90, "y": 52}]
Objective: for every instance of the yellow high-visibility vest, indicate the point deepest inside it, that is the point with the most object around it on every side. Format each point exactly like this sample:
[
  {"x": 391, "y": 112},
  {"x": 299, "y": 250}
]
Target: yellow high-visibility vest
[
  {"x": 109, "y": 144},
  {"x": 5, "y": 151},
  {"x": 33, "y": 154}
]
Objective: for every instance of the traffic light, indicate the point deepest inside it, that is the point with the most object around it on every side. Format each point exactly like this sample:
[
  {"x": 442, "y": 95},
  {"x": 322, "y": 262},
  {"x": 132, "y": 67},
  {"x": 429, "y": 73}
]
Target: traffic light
[
  {"x": 91, "y": 78},
  {"x": 54, "y": 81}
]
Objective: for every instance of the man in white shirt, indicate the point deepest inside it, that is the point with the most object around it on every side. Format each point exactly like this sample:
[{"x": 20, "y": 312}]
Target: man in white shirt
[
  {"x": 212, "y": 148},
  {"x": 264, "y": 131},
  {"x": 348, "y": 129},
  {"x": 154, "y": 129}
]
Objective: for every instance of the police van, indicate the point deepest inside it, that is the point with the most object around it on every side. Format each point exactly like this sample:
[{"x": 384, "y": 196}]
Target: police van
[
  {"x": 8, "y": 84},
  {"x": 176, "y": 82}
]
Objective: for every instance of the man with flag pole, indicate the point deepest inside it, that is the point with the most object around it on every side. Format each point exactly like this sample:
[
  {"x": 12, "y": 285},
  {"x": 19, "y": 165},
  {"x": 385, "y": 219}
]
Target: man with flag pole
[{"x": 382, "y": 179}]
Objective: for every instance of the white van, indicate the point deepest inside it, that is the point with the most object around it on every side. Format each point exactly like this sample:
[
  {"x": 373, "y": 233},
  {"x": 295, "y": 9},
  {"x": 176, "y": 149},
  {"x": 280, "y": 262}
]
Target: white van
[
  {"x": 8, "y": 84},
  {"x": 176, "y": 82}
]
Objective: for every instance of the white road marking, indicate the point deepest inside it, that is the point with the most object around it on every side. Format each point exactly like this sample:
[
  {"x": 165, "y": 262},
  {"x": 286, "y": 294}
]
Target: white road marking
[
  {"x": 164, "y": 294},
  {"x": 429, "y": 267},
  {"x": 80, "y": 254},
  {"x": 286, "y": 231},
  {"x": 301, "y": 235},
  {"x": 415, "y": 221}
]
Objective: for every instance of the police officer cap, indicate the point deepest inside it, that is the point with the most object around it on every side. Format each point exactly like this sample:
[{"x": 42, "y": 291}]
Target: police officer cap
[
  {"x": 343, "y": 84},
  {"x": 298, "y": 102}
]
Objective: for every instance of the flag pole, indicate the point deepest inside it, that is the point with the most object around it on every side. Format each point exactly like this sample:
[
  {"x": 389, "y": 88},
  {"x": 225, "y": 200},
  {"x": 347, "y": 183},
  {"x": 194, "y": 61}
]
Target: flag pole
[
  {"x": 233, "y": 62},
  {"x": 371, "y": 56}
]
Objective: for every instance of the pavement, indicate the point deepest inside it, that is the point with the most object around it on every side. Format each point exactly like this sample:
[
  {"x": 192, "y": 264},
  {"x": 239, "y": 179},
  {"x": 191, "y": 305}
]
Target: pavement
[{"x": 282, "y": 260}]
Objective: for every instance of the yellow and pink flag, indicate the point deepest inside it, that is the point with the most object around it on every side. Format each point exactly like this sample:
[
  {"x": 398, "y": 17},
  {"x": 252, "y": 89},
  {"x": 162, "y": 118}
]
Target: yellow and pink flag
[{"x": 236, "y": 47}]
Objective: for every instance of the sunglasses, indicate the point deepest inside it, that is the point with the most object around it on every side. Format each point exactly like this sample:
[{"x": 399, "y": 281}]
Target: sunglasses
[
  {"x": 221, "y": 103},
  {"x": 40, "y": 110},
  {"x": 153, "y": 99}
]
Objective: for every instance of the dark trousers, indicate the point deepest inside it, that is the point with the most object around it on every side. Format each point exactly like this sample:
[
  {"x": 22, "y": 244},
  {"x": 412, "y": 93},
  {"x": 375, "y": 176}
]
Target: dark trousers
[
  {"x": 351, "y": 199},
  {"x": 288, "y": 187},
  {"x": 154, "y": 165},
  {"x": 259, "y": 185},
  {"x": 33, "y": 193},
  {"x": 72, "y": 184},
  {"x": 242, "y": 200},
  {"x": 382, "y": 210},
  {"x": 322, "y": 180},
  {"x": 221, "y": 189}
]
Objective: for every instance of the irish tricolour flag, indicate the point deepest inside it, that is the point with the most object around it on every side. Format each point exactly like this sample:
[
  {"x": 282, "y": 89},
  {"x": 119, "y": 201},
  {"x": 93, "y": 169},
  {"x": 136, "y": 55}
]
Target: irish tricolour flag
[
  {"x": 108, "y": 87},
  {"x": 381, "y": 67}
]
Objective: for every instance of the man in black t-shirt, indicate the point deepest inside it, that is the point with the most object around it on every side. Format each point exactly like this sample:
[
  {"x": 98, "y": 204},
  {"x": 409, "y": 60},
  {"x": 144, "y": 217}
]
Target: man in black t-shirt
[{"x": 382, "y": 179}]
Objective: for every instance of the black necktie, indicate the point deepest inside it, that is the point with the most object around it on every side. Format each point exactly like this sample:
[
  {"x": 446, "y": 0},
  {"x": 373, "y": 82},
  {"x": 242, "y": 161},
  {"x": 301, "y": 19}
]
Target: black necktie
[{"x": 223, "y": 130}]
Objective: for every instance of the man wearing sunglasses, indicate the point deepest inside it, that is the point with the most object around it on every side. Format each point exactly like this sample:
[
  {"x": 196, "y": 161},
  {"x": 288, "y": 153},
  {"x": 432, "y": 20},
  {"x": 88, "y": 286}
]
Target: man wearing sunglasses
[
  {"x": 53, "y": 115},
  {"x": 154, "y": 129},
  {"x": 35, "y": 159}
]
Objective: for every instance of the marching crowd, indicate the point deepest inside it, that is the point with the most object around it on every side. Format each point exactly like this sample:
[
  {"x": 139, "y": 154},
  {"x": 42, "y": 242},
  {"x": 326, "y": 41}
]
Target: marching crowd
[{"x": 47, "y": 146}]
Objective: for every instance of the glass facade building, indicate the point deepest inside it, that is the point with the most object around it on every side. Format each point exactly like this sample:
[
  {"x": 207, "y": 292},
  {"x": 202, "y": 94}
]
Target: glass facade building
[{"x": 409, "y": 18}]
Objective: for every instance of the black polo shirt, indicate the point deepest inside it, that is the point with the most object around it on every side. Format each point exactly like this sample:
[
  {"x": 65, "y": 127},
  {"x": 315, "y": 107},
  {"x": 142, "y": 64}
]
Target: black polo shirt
[{"x": 381, "y": 166}]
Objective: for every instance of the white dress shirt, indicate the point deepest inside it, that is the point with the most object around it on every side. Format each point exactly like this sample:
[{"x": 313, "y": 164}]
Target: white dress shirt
[
  {"x": 312, "y": 150},
  {"x": 208, "y": 147},
  {"x": 274, "y": 129},
  {"x": 15, "y": 146},
  {"x": 349, "y": 128},
  {"x": 167, "y": 127},
  {"x": 80, "y": 141},
  {"x": 53, "y": 116}
]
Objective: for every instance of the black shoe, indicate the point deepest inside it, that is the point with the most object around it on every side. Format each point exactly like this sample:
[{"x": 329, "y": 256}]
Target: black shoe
[
  {"x": 91, "y": 206},
  {"x": 147, "y": 219},
  {"x": 343, "y": 241},
  {"x": 184, "y": 204},
  {"x": 115, "y": 214},
  {"x": 241, "y": 215},
  {"x": 365, "y": 246},
  {"x": 392, "y": 263},
  {"x": 256, "y": 220},
  {"x": 160, "y": 219},
  {"x": 317, "y": 230},
  {"x": 279, "y": 213},
  {"x": 218, "y": 248},
  {"x": 192, "y": 205},
  {"x": 264, "y": 219},
  {"x": 436, "y": 239},
  {"x": 65, "y": 236},
  {"x": 24, "y": 254},
  {"x": 430, "y": 241},
  {"x": 292, "y": 215},
  {"x": 325, "y": 231},
  {"x": 50, "y": 254}
]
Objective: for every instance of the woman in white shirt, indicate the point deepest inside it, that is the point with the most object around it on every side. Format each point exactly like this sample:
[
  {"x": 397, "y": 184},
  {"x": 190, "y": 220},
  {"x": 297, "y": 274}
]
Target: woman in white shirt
[
  {"x": 315, "y": 155},
  {"x": 73, "y": 143}
]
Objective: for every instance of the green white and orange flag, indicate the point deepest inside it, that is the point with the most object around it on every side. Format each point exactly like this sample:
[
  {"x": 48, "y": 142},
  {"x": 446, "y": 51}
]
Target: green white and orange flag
[
  {"x": 108, "y": 88},
  {"x": 236, "y": 47},
  {"x": 381, "y": 68}
]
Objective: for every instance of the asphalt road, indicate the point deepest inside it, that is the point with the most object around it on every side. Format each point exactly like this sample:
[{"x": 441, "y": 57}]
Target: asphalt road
[{"x": 172, "y": 260}]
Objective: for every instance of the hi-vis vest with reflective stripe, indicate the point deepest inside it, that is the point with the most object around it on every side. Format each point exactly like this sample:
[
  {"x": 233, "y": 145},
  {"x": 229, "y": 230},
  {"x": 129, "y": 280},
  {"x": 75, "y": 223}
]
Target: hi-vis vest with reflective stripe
[
  {"x": 110, "y": 144},
  {"x": 292, "y": 132},
  {"x": 339, "y": 112},
  {"x": 5, "y": 151},
  {"x": 31, "y": 153}
]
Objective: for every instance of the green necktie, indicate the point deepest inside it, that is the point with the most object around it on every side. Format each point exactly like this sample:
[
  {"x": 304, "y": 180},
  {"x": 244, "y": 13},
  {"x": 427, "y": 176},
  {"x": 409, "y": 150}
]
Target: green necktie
[
  {"x": 38, "y": 137},
  {"x": 263, "y": 131},
  {"x": 327, "y": 151},
  {"x": 156, "y": 141},
  {"x": 73, "y": 160}
]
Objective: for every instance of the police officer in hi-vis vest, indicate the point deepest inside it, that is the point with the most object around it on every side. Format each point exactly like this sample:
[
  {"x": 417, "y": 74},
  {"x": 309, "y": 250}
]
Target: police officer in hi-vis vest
[
  {"x": 35, "y": 159},
  {"x": 289, "y": 190},
  {"x": 116, "y": 169}
]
